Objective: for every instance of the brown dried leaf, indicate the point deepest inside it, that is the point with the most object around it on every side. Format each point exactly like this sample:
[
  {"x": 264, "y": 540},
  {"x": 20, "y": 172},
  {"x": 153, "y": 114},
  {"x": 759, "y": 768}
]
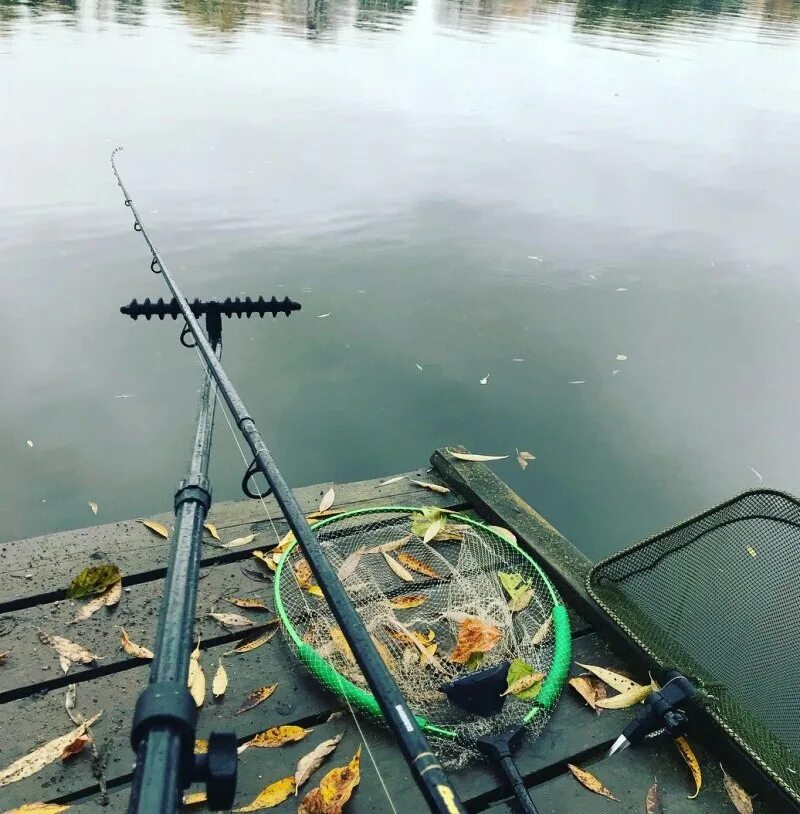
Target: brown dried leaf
[
  {"x": 392, "y": 545},
  {"x": 272, "y": 795},
  {"x": 653, "y": 803},
  {"x": 334, "y": 789},
  {"x": 220, "y": 682},
  {"x": 738, "y": 796},
  {"x": 524, "y": 457},
  {"x": 69, "y": 704},
  {"x": 252, "y": 642},
  {"x": 212, "y": 530},
  {"x": 248, "y": 603},
  {"x": 543, "y": 632},
  {"x": 434, "y": 487},
  {"x": 341, "y": 644},
  {"x": 687, "y": 753},
  {"x": 586, "y": 689},
  {"x": 156, "y": 527},
  {"x": 231, "y": 619},
  {"x": 417, "y": 565},
  {"x": 589, "y": 781},
  {"x": 305, "y": 579},
  {"x": 4, "y": 656},
  {"x": 43, "y": 755},
  {"x": 72, "y": 749},
  {"x": 523, "y": 683},
  {"x": 626, "y": 699},
  {"x": 327, "y": 500},
  {"x": 254, "y": 698},
  {"x": 265, "y": 558},
  {"x": 195, "y": 798},
  {"x": 278, "y": 736},
  {"x": 397, "y": 568},
  {"x": 474, "y": 636},
  {"x": 309, "y": 763},
  {"x": 239, "y": 541},
  {"x": 90, "y": 608},
  {"x": 113, "y": 594},
  {"x": 350, "y": 564},
  {"x": 468, "y": 456},
  {"x": 616, "y": 681},
  {"x": 197, "y": 678},
  {"x": 69, "y": 650},
  {"x": 386, "y": 656},
  {"x": 65, "y": 664},
  {"x": 201, "y": 746},
  {"x": 131, "y": 648},
  {"x": 406, "y": 602}
]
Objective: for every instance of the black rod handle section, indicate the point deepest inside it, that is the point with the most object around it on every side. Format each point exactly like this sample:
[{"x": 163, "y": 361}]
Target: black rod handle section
[
  {"x": 517, "y": 785},
  {"x": 226, "y": 308},
  {"x": 428, "y": 774}
]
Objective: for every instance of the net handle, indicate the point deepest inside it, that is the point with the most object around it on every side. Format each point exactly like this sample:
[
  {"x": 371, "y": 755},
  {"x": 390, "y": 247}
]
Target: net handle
[{"x": 358, "y": 697}]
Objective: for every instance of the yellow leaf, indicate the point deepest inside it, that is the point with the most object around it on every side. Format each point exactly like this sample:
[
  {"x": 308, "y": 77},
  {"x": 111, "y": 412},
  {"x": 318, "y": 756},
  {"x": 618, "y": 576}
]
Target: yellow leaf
[
  {"x": 519, "y": 591},
  {"x": 131, "y": 648},
  {"x": 231, "y": 619},
  {"x": 751, "y": 551},
  {"x": 687, "y": 753},
  {"x": 66, "y": 649},
  {"x": 417, "y": 565},
  {"x": 406, "y": 602},
  {"x": 469, "y": 456},
  {"x": 342, "y": 644},
  {"x": 195, "y": 798},
  {"x": 738, "y": 796},
  {"x": 278, "y": 736},
  {"x": 507, "y": 535},
  {"x": 523, "y": 683},
  {"x": 254, "y": 698},
  {"x": 626, "y": 699},
  {"x": 201, "y": 746},
  {"x": 212, "y": 530},
  {"x": 272, "y": 795},
  {"x": 305, "y": 579},
  {"x": 220, "y": 681},
  {"x": 590, "y": 691},
  {"x": 93, "y": 506},
  {"x": 434, "y": 487},
  {"x": 327, "y": 500},
  {"x": 252, "y": 642},
  {"x": 616, "y": 681},
  {"x": 38, "y": 808},
  {"x": 246, "y": 540},
  {"x": 474, "y": 636},
  {"x": 157, "y": 528},
  {"x": 589, "y": 781},
  {"x": 43, "y": 755},
  {"x": 653, "y": 803},
  {"x": 251, "y": 604},
  {"x": 197, "y": 678},
  {"x": 397, "y": 568},
  {"x": 543, "y": 632},
  {"x": 334, "y": 790},
  {"x": 266, "y": 559},
  {"x": 309, "y": 763},
  {"x": 435, "y": 528}
]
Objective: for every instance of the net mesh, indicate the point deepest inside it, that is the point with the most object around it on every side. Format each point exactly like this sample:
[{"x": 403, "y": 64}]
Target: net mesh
[
  {"x": 452, "y": 577},
  {"x": 716, "y": 597}
]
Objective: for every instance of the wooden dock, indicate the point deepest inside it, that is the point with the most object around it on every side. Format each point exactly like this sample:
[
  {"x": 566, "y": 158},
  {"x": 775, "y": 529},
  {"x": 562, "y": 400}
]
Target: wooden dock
[{"x": 34, "y": 574}]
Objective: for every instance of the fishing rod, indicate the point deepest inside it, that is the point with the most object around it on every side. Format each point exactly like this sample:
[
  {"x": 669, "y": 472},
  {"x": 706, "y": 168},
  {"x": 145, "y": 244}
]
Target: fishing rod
[{"x": 423, "y": 763}]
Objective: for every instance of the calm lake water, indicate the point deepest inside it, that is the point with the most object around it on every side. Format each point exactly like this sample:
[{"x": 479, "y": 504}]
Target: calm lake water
[{"x": 528, "y": 191}]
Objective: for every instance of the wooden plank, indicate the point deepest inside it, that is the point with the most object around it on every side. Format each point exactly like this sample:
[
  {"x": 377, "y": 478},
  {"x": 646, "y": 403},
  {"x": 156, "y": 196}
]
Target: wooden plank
[
  {"x": 38, "y": 569},
  {"x": 573, "y": 729}
]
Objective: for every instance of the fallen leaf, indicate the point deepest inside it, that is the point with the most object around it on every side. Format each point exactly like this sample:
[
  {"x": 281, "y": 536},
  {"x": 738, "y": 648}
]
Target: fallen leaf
[
  {"x": 246, "y": 602},
  {"x": 417, "y": 565},
  {"x": 507, "y": 535},
  {"x": 69, "y": 650},
  {"x": 341, "y": 644},
  {"x": 266, "y": 559},
  {"x": 43, "y": 755},
  {"x": 468, "y": 456},
  {"x": 654, "y": 803},
  {"x": 392, "y": 480},
  {"x": 589, "y": 781},
  {"x": 586, "y": 689},
  {"x": 93, "y": 506},
  {"x": 621, "y": 357},
  {"x": 72, "y": 749},
  {"x": 523, "y": 681},
  {"x": 334, "y": 716},
  {"x": 406, "y": 602},
  {"x": 309, "y": 763},
  {"x": 519, "y": 592},
  {"x": 246, "y": 540},
  {"x": 131, "y": 648},
  {"x": 485, "y": 379},
  {"x": 278, "y": 736},
  {"x": 108, "y": 599},
  {"x": 616, "y": 681},
  {"x": 4, "y": 656},
  {"x": 687, "y": 753},
  {"x": 197, "y": 678},
  {"x": 434, "y": 529},
  {"x": 434, "y": 487},
  {"x": 474, "y": 636},
  {"x": 113, "y": 594},
  {"x": 350, "y": 564},
  {"x": 272, "y": 795},
  {"x": 323, "y": 316},
  {"x": 93, "y": 580},
  {"x": 201, "y": 746},
  {"x": 195, "y": 798},
  {"x": 231, "y": 619},
  {"x": 69, "y": 704},
  {"x": 392, "y": 545},
  {"x": 386, "y": 656},
  {"x": 305, "y": 579},
  {"x": 29, "y": 442},
  {"x": 212, "y": 530},
  {"x": 254, "y": 698},
  {"x": 327, "y": 500},
  {"x": 220, "y": 681},
  {"x": 579, "y": 381},
  {"x": 252, "y": 642},
  {"x": 543, "y": 632},
  {"x": 334, "y": 789},
  {"x": 397, "y": 568},
  {"x": 65, "y": 664},
  {"x": 626, "y": 699},
  {"x": 738, "y": 796},
  {"x": 157, "y": 528},
  {"x": 38, "y": 808}
]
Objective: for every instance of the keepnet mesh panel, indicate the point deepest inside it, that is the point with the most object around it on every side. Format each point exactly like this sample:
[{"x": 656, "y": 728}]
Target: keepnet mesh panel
[
  {"x": 717, "y": 598},
  {"x": 466, "y": 561}
]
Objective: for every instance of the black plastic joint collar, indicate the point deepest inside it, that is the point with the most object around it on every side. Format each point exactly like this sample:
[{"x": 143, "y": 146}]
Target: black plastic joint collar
[
  {"x": 164, "y": 702},
  {"x": 195, "y": 488}
]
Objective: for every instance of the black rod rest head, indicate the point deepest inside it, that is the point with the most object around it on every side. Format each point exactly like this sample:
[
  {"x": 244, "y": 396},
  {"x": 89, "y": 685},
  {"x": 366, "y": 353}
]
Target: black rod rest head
[{"x": 246, "y": 307}]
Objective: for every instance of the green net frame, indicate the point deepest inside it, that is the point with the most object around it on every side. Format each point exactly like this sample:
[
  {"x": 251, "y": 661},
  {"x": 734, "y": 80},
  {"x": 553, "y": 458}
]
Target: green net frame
[{"x": 361, "y": 699}]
